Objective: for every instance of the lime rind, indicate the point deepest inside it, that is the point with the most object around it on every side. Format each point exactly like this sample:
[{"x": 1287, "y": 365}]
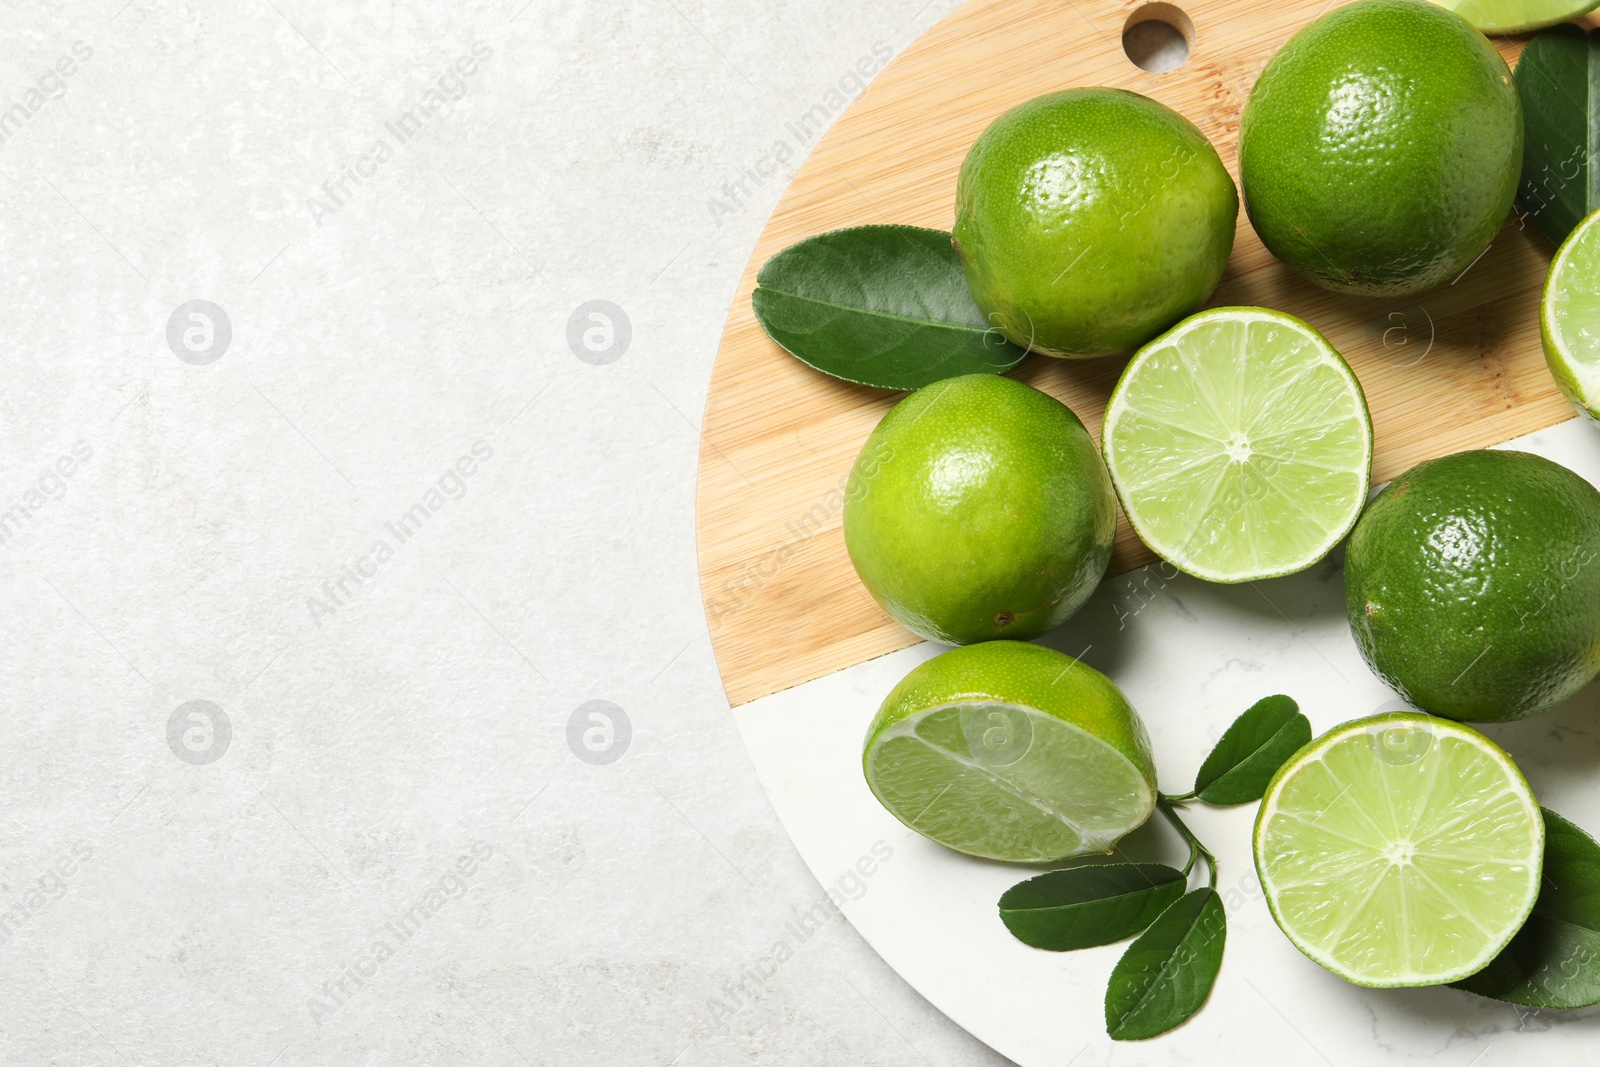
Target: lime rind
[
  {"x": 1569, "y": 317},
  {"x": 1240, "y": 445},
  {"x": 1400, "y": 850},
  {"x": 1005, "y": 781},
  {"x": 1517, "y": 16}
]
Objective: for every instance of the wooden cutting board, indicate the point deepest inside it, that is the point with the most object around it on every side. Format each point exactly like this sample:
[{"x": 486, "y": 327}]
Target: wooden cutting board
[{"x": 1453, "y": 369}]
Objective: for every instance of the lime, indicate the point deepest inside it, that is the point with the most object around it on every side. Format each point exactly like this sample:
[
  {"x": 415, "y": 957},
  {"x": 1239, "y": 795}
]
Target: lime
[
  {"x": 979, "y": 509},
  {"x": 1400, "y": 850},
  {"x": 1380, "y": 150},
  {"x": 1090, "y": 220},
  {"x": 1569, "y": 317},
  {"x": 1517, "y": 16},
  {"x": 1239, "y": 444},
  {"x": 1011, "y": 751},
  {"x": 1472, "y": 583}
]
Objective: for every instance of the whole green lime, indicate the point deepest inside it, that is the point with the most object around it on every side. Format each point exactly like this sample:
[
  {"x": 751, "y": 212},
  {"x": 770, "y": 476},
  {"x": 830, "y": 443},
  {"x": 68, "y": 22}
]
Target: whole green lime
[
  {"x": 1380, "y": 149},
  {"x": 1473, "y": 585},
  {"x": 1011, "y": 751},
  {"x": 1091, "y": 220},
  {"x": 979, "y": 508}
]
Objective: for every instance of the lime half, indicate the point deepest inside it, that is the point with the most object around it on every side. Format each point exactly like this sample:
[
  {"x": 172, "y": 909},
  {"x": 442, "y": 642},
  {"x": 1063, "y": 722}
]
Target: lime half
[
  {"x": 1240, "y": 445},
  {"x": 1517, "y": 16},
  {"x": 1569, "y": 317},
  {"x": 1011, "y": 751},
  {"x": 1400, "y": 850}
]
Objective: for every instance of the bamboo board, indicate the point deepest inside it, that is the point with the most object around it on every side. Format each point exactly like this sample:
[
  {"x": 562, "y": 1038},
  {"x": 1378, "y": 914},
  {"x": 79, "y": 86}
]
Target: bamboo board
[{"x": 1457, "y": 368}]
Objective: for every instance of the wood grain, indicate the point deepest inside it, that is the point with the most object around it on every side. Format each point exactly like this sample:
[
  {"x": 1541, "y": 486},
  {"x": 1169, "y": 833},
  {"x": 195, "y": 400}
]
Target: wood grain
[{"x": 1453, "y": 369}]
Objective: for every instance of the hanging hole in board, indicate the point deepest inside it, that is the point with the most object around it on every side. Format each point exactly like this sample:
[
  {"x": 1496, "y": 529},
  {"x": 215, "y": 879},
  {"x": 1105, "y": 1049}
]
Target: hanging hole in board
[{"x": 1158, "y": 38}]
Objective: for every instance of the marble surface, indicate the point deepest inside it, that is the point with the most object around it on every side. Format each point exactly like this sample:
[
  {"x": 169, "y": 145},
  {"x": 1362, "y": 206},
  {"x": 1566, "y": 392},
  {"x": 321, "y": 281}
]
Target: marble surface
[
  {"x": 309, "y": 588},
  {"x": 1190, "y": 656}
]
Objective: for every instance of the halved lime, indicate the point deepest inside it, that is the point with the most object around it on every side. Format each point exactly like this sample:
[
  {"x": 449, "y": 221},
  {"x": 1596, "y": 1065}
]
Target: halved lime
[
  {"x": 1516, "y": 16},
  {"x": 1569, "y": 317},
  {"x": 1400, "y": 850},
  {"x": 1239, "y": 444},
  {"x": 1011, "y": 751}
]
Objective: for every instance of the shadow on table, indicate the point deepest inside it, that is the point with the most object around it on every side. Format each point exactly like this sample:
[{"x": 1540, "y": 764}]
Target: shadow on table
[
  {"x": 1556, "y": 744},
  {"x": 1104, "y": 631},
  {"x": 1470, "y": 1016}
]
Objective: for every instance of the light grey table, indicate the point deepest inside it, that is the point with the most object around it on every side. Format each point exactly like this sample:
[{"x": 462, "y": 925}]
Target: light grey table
[{"x": 354, "y": 363}]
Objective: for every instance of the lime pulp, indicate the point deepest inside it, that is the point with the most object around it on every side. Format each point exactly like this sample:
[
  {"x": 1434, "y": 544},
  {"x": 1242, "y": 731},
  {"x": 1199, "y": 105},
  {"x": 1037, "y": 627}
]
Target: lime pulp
[
  {"x": 1240, "y": 445},
  {"x": 1400, "y": 850}
]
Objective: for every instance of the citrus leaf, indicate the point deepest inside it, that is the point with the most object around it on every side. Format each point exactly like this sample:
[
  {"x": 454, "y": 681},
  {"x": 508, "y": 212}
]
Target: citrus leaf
[
  {"x": 879, "y": 305},
  {"x": 1081, "y": 907},
  {"x": 1554, "y": 961},
  {"x": 1242, "y": 764},
  {"x": 1560, "y": 184},
  {"x": 1167, "y": 974}
]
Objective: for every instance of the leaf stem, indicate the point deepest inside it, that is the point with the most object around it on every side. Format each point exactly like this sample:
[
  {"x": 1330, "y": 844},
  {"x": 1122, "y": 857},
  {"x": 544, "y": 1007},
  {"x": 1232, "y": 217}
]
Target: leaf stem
[{"x": 1168, "y": 807}]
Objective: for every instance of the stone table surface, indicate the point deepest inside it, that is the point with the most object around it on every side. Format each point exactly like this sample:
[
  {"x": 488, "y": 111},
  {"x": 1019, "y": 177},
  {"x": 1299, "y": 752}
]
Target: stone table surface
[{"x": 354, "y": 367}]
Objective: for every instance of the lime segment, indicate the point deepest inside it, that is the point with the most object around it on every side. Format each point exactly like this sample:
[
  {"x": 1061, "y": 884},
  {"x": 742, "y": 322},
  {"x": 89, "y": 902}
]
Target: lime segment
[
  {"x": 1400, "y": 850},
  {"x": 1011, "y": 751},
  {"x": 1569, "y": 317},
  {"x": 1517, "y": 16},
  {"x": 1240, "y": 445}
]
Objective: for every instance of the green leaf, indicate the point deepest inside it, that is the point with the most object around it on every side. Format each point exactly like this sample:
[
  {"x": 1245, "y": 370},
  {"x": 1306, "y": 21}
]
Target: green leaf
[
  {"x": 879, "y": 305},
  {"x": 1554, "y": 961},
  {"x": 1081, "y": 907},
  {"x": 1167, "y": 974},
  {"x": 1557, "y": 78},
  {"x": 1251, "y": 750}
]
